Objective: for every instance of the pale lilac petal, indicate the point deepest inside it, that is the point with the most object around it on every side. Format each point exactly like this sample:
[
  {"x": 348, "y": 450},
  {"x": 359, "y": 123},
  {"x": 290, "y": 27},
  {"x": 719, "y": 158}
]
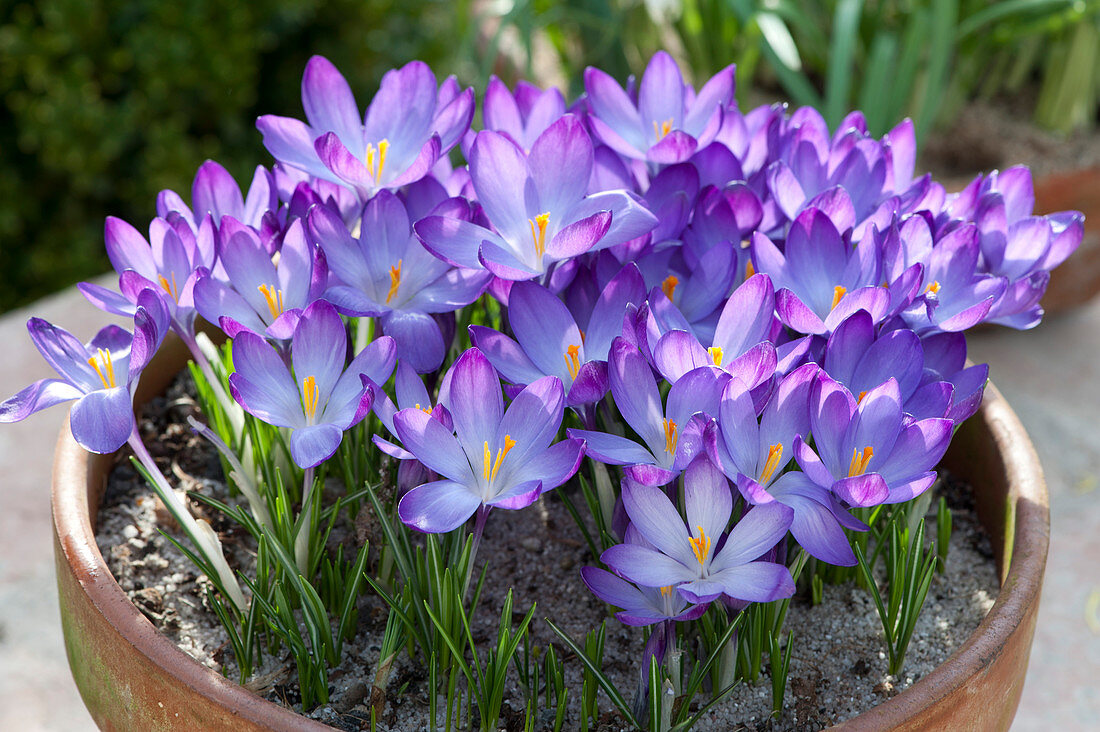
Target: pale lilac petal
[
  {"x": 344, "y": 165},
  {"x": 652, "y": 514},
  {"x": 612, "y": 449},
  {"x": 39, "y": 395},
  {"x": 438, "y": 507},
  {"x": 290, "y": 142},
  {"x": 661, "y": 93},
  {"x": 708, "y": 502},
  {"x": 560, "y": 163},
  {"x": 319, "y": 348},
  {"x": 675, "y": 147},
  {"x": 646, "y": 566},
  {"x": 433, "y": 444},
  {"x": 103, "y": 420},
  {"x": 419, "y": 340},
  {"x": 476, "y": 402},
  {"x": 756, "y": 581},
  {"x": 127, "y": 248},
  {"x": 215, "y": 192},
  {"x": 758, "y": 531},
  {"x": 329, "y": 104},
  {"x": 310, "y": 446},
  {"x": 505, "y": 354},
  {"x": 455, "y": 241},
  {"x": 519, "y": 495},
  {"x": 862, "y": 490},
  {"x": 579, "y": 236}
]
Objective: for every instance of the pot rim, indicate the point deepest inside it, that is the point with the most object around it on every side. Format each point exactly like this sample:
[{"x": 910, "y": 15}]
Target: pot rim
[{"x": 1027, "y": 525}]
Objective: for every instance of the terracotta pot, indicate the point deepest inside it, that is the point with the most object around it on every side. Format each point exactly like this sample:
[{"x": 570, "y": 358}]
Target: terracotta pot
[
  {"x": 133, "y": 678},
  {"x": 1078, "y": 280}
]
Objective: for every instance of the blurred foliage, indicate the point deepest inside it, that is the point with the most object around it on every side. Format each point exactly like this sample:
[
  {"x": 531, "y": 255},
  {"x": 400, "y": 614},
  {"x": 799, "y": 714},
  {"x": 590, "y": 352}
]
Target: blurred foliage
[{"x": 106, "y": 102}]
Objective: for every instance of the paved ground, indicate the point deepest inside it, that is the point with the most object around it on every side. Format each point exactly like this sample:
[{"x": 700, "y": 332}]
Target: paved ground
[{"x": 1049, "y": 375}]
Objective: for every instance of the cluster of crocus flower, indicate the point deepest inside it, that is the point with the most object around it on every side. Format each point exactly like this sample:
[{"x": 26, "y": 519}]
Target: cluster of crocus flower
[{"x": 759, "y": 320}]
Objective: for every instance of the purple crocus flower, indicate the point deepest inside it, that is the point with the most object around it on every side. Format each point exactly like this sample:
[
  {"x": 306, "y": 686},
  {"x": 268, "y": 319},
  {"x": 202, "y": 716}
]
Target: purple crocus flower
[
  {"x": 215, "y": 193},
  {"x": 496, "y": 458},
  {"x": 167, "y": 263},
  {"x": 743, "y": 339},
  {"x": 537, "y": 206},
  {"x": 640, "y": 605},
  {"x": 387, "y": 273},
  {"x": 820, "y": 279},
  {"x": 669, "y": 121},
  {"x": 956, "y": 295},
  {"x": 100, "y": 375},
  {"x": 549, "y": 343},
  {"x": 866, "y": 451},
  {"x": 692, "y": 557},
  {"x": 755, "y": 455},
  {"x": 672, "y": 435},
  {"x": 320, "y": 399},
  {"x": 521, "y": 116},
  {"x": 260, "y": 295},
  {"x": 409, "y": 124}
]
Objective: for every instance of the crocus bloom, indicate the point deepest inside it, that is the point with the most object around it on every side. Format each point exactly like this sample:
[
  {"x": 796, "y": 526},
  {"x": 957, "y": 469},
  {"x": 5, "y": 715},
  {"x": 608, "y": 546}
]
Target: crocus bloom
[
  {"x": 673, "y": 435},
  {"x": 408, "y": 125},
  {"x": 100, "y": 375},
  {"x": 321, "y": 398},
  {"x": 640, "y": 605},
  {"x": 537, "y": 206},
  {"x": 521, "y": 116},
  {"x": 549, "y": 343},
  {"x": 496, "y": 458},
  {"x": 387, "y": 273},
  {"x": 167, "y": 263},
  {"x": 867, "y": 453},
  {"x": 260, "y": 295},
  {"x": 755, "y": 457},
  {"x": 691, "y": 557},
  {"x": 820, "y": 279},
  {"x": 215, "y": 193},
  {"x": 668, "y": 123}
]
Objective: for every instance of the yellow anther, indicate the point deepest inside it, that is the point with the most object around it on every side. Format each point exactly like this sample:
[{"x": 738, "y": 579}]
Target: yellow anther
[
  {"x": 103, "y": 366},
  {"x": 934, "y": 288},
  {"x": 538, "y": 233},
  {"x": 425, "y": 410},
  {"x": 376, "y": 172},
  {"x": 660, "y": 131},
  {"x": 671, "y": 436},
  {"x": 170, "y": 287},
  {"x": 749, "y": 270},
  {"x": 859, "y": 399},
  {"x": 274, "y": 299},
  {"x": 309, "y": 396},
  {"x": 775, "y": 455},
  {"x": 666, "y": 591},
  {"x": 669, "y": 285},
  {"x": 700, "y": 546},
  {"x": 395, "y": 281},
  {"x": 572, "y": 360},
  {"x": 838, "y": 292},
  {"x": 715, "y": 355},
  {"x": 492, "y": 466},
  {"x": 858, "y": 466}
]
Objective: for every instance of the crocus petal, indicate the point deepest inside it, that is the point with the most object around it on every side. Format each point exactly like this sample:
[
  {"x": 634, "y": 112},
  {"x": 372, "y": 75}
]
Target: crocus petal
[
  {"x": 646, "y": 566},
  {"x": 311, "y": 446},
  {"x": 319, "y": 347},
  {"x": 654, "y": 516},
  {"x": 708, "y": 502},
  {"x": 591, "y": 384},
  {"x": 328, "y": 101},
  {"x": 758, "y": 531},
  {"x": 556, "y": 464},
  {"x": 419, "y": 340},
  {"x": 862, "y": 490},
  {"x": 344, "y": 165},
  {"x": 756, "y": 581},
  {"x": 433, "y": 444},
  {"x": 612, "y": 449},
  {"x": 579, "y": 236},
  {"x": 39, "y": 395},
  {"x": 476, "y": 402},
  {"x": 215, "y": 192},
  {"x": 505, "y": 354},
  {"x": 290, "y": 142},
  {"x": 438, "y": 507},
  {"x": 103, "y": 420}
]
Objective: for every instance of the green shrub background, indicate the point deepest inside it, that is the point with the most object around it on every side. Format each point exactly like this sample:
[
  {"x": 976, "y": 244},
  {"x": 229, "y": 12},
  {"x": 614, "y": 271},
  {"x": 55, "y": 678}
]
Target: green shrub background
[{"x": 106, "y": 102}]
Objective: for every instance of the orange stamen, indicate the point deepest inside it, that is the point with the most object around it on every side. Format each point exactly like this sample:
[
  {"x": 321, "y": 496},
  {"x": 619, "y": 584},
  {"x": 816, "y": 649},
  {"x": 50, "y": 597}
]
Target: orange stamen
[
  {"x": 492, "y": 466},
  {"x": 669, "y": 285},
  {"x": 775, "y": 455},
  {"x": 103, "y": 366},
  {"x": 309, "y": 396},
  {"x": 838, "y": 292},
  {"x": 274, "y": 299},
  {"x": 715, "y": 355},
  {"x": 858, "y": 466},
  {"x": 170, "y": 287},
  {"x": 934, "y": 288},
  {"x": 670, "y": 436},
  {"x": 395, "y": 281},
  {"x": 539, "y": 236},
  {"x": 700, "y": 546},
  {"x": 376, "y": 172},
  {"x": 661, "y": 131},
  {"x": 572, "y": 360}
]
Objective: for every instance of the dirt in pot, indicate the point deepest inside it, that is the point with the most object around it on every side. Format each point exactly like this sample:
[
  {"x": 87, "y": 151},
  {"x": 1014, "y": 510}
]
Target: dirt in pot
[{"x": 838, "y": 665}]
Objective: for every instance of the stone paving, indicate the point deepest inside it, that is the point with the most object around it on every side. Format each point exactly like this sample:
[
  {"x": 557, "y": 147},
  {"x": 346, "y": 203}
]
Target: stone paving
[{"x": 1049, "y": 375}]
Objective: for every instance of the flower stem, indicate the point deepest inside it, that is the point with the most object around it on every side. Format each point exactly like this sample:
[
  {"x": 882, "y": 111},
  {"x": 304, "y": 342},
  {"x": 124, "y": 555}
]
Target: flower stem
[
  {"x": 479, "y": 529},
  {"x": 301, "y": 540}
]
